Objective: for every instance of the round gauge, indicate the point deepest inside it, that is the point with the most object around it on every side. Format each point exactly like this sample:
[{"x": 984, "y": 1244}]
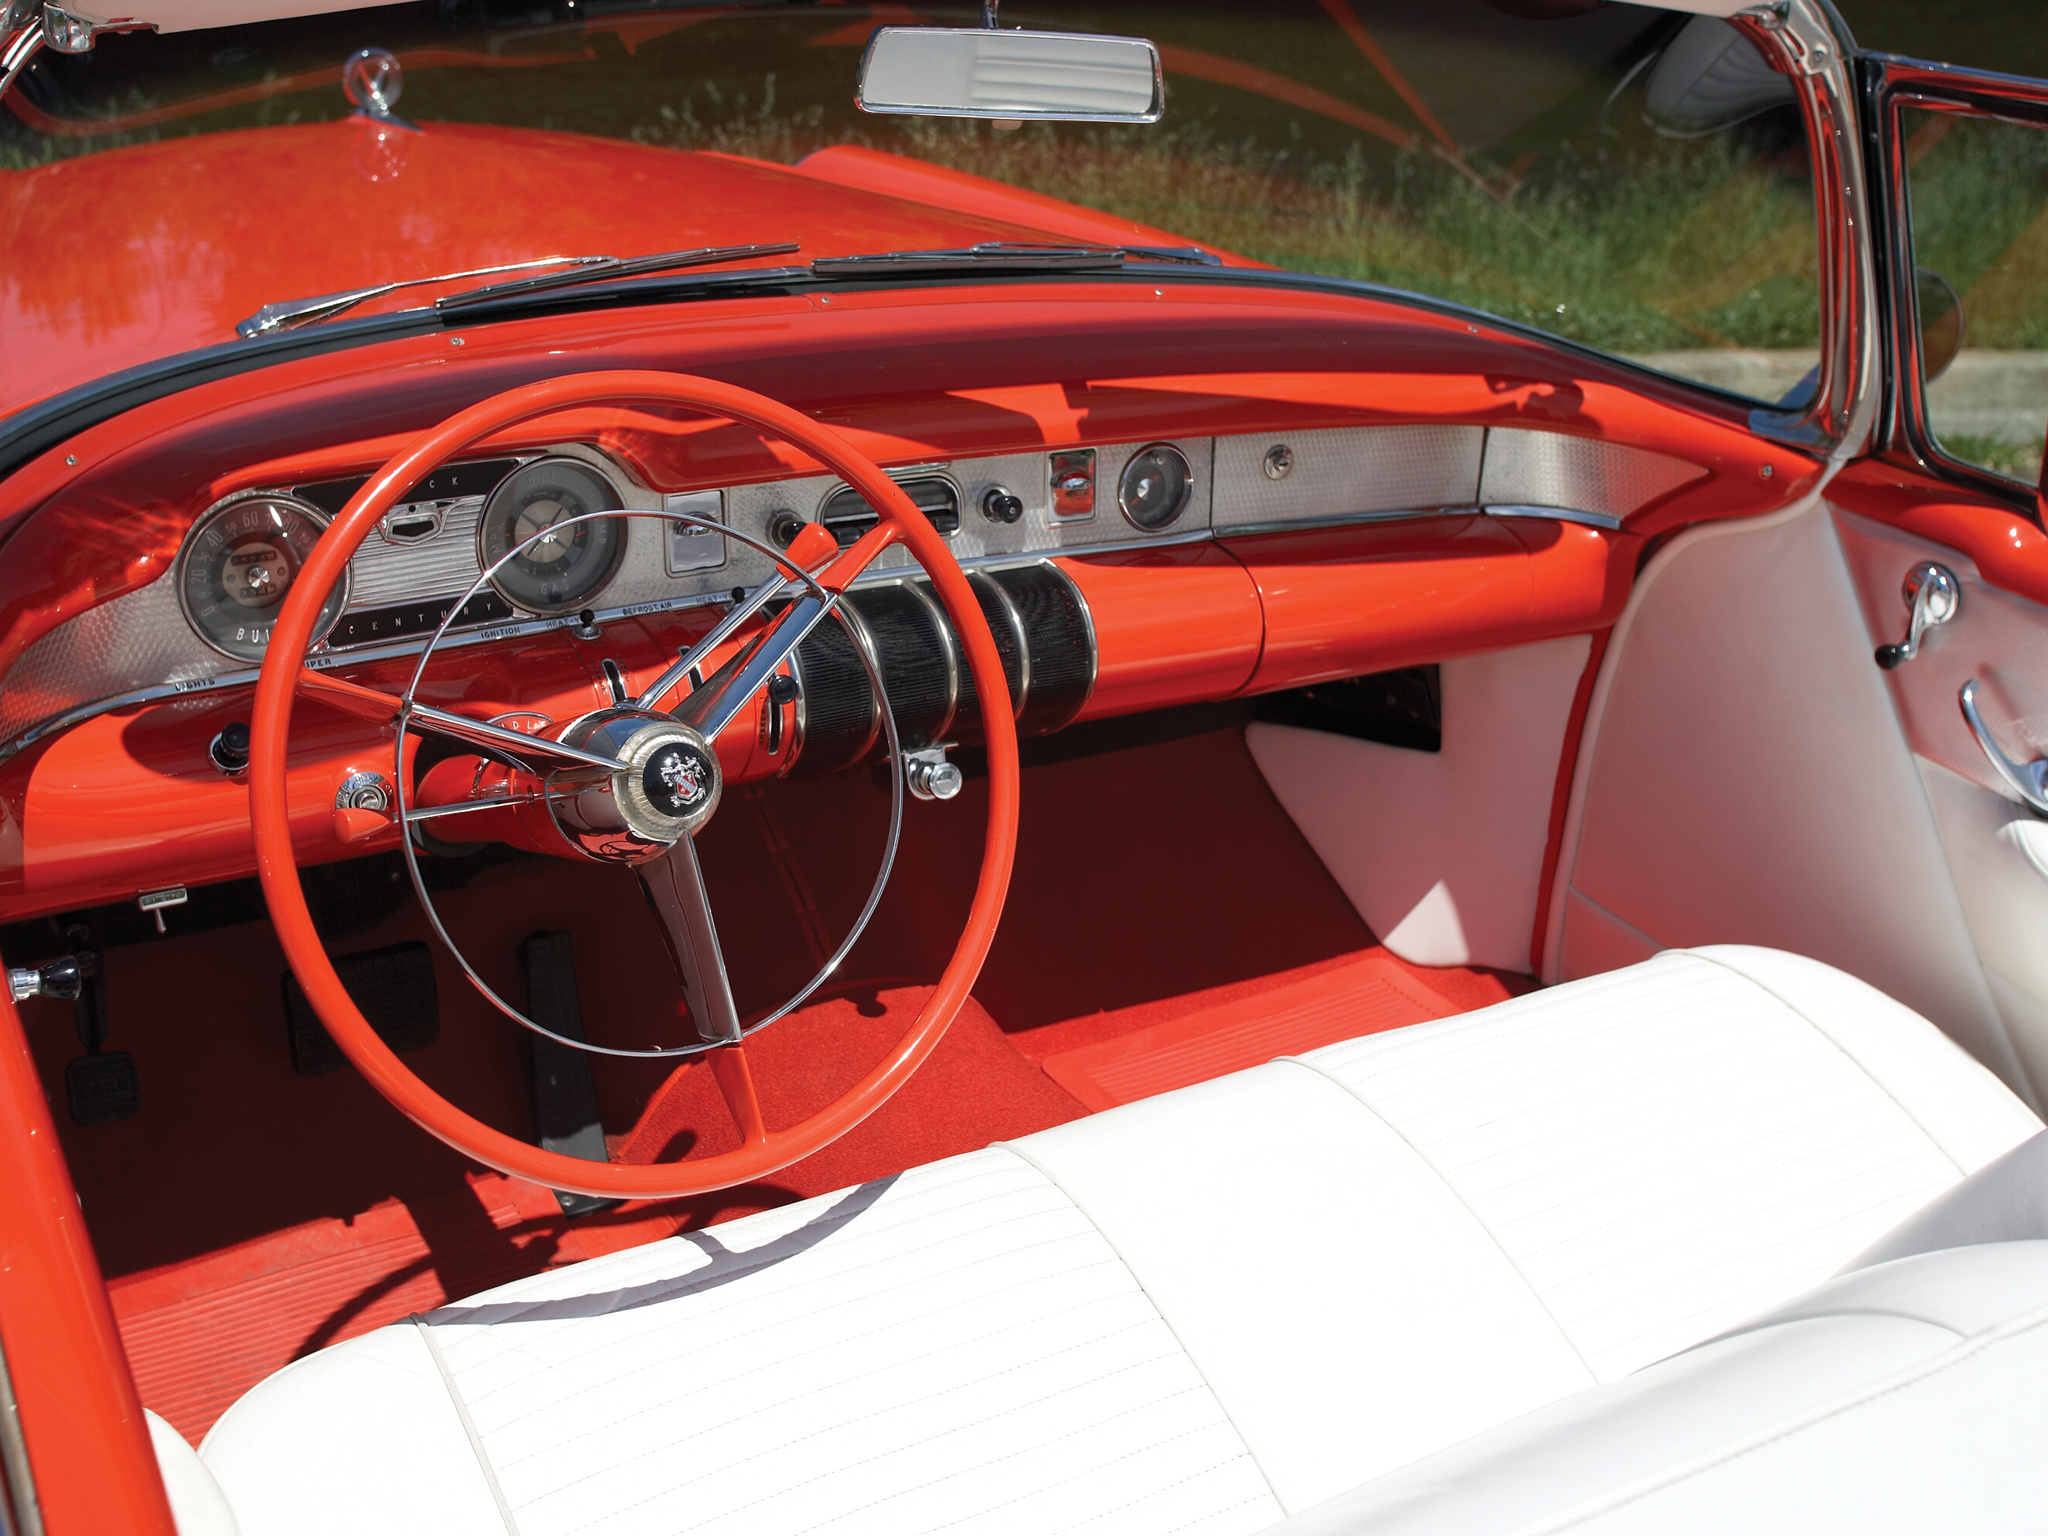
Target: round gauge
[
  {"x": 556, "y": 572},
  {"x": 238, "y": 563},
  {"x": 1155, "y": 487}
]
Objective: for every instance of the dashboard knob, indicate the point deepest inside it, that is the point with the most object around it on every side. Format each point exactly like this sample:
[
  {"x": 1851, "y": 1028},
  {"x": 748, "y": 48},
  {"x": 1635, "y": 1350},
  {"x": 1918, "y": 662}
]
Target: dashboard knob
[
  {"x": 230, "y": 749},
  {"x": 1000, "y": 504},
  {"x": 929, "y": 776},
  {"x": 63, "y": 979}
]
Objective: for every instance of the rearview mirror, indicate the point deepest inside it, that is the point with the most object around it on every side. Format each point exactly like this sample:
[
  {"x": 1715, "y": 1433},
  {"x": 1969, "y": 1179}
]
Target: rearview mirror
[{"x": 1072, "y": 77}]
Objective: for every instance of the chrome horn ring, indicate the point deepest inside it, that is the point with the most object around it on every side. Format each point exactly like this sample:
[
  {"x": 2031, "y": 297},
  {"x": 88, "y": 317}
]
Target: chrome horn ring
[{"x": 409, "y": 817}]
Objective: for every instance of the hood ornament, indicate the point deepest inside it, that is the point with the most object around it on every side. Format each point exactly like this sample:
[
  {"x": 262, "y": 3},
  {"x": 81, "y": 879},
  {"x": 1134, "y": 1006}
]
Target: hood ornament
[{"x": 373, "y": 80}]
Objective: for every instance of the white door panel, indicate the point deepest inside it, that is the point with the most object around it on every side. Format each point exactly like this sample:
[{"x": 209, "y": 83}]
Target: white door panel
[
  {"x": 1995, "y": 637},
  {"x": 1744, "y": 778},
  {"x": 2001, "y": 640}
]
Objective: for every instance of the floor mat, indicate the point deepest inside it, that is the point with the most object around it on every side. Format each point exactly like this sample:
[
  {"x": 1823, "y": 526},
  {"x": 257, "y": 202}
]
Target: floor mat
[{"x": 1361, "y": 997}]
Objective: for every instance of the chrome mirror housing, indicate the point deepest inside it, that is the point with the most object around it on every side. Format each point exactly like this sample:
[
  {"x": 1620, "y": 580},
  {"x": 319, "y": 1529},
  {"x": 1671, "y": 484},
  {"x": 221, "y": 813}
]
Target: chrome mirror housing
[{"x": 975, "y": 72}]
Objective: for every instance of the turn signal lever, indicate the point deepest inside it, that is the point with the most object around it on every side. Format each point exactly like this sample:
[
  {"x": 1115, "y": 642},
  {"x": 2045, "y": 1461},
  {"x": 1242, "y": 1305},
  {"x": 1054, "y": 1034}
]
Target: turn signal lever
[
  {"x": 2027, "y": 780},
  {"x": 1934, "y": 595}
]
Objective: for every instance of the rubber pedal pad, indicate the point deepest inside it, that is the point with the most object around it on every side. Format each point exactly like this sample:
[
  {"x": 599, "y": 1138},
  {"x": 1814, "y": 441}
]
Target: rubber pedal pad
[
  {"x": 564, "y": 1093},
  {"x": 102, "y": 1087},
  {"x": 393, "y": 986}
]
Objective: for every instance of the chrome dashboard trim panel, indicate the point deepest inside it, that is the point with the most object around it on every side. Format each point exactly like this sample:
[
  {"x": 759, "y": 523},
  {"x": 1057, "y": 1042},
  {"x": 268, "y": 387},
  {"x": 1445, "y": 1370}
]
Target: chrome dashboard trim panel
[
  {"x": 1341, "y": 473},
  {"x": 1527, "y": 468},
  {"x": 139, "y": 639}
]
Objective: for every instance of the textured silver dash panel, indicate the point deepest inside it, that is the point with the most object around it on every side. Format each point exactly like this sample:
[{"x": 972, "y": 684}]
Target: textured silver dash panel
[
  {"x": 1554, "y": 469},
  {"x": 1348, "y": 470},
  {"x": 138, "y": 640},
  {"x": 383, "y": 574}
]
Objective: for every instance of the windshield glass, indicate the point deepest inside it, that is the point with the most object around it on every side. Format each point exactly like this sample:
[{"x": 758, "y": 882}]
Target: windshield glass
[{"x": 1626, "y": 177}]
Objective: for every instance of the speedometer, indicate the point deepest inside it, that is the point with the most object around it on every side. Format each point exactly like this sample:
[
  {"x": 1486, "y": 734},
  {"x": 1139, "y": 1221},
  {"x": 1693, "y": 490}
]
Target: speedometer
[
  {"x": 238, "y": 563},
  {"x": 556, "y": 568}
]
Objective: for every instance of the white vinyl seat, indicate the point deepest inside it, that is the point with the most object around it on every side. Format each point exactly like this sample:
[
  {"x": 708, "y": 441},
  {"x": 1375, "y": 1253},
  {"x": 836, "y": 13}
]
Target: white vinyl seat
[{"x": 1202, "y": 1313}]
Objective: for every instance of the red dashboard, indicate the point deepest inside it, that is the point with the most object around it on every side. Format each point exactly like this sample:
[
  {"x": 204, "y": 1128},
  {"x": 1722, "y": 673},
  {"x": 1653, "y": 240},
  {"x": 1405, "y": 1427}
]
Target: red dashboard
[{"x": 1373, "y": 566}]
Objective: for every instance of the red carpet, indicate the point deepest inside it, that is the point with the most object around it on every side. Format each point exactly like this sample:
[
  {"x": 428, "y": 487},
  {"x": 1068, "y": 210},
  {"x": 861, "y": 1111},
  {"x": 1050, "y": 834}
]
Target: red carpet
[
  {"x": 1362, "y": 997},
  {"x": 252, "y": 1215}
]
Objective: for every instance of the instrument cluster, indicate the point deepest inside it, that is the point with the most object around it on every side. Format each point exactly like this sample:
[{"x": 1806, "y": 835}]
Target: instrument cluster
[{"x": 520, "y": 535}]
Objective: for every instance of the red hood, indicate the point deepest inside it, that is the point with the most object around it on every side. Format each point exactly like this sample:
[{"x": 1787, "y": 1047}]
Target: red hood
[{"x": 116, "y": 259}]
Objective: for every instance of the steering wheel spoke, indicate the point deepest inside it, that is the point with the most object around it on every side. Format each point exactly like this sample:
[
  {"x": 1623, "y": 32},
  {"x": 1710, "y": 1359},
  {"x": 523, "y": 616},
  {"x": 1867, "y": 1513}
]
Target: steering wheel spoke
[
  {"x": 732, "y": 687},
  {"x": 735, "y": 1078},
  {"x": 536, "y": 754},
  {"x": 675, "y": 884}
]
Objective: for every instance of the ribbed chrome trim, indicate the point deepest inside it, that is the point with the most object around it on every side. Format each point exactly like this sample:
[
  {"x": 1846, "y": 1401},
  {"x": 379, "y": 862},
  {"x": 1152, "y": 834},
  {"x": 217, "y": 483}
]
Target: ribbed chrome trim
[
  {"x": 1344, "y": 520},
  {"x": 1094, "y": 643},
  {"x": 943, "y": 628},
  {"x": 857, "y": 627},
  {"x": 1415, "y": 514},
  {"x": 995, "y": 589},
  {"x": 1556, "y": 515}
]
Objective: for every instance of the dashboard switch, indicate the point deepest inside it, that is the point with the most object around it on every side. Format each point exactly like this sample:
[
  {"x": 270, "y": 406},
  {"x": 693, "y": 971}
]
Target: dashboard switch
[
  {"x": 230, "y": 749},
  {"x": 1000, "y": 504},
  {"x": 1073, "y": 484}
]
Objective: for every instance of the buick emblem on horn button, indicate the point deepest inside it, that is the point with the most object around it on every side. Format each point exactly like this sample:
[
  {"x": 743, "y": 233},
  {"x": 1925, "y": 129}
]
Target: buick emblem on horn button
[{"x": 677, "y": 779}]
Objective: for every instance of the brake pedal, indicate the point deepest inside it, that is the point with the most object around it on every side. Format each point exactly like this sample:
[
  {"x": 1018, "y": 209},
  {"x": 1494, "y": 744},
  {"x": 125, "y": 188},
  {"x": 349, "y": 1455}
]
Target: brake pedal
[
  {"x": 564, "y": 1093},
  {"x": 393, "y": 986}
]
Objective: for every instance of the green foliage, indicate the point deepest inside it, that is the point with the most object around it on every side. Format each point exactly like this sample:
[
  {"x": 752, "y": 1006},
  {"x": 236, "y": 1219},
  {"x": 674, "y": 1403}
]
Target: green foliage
[{"x": 2022, "y": 461}]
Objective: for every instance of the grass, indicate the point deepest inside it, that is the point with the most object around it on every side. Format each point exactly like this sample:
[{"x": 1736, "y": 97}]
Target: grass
[
  {"x": 1581, "y": 220},
  {"x": 2021, "y": 461},
  {"x": 1694, "y": 245}
]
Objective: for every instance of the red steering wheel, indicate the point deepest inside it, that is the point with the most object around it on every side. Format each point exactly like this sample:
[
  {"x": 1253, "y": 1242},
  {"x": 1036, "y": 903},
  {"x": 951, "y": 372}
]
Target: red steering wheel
[{"x": 284, "y": 677}]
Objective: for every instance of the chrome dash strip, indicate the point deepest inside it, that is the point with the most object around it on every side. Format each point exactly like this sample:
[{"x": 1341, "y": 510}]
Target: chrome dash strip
[
  {"x": 1600, "y": 520},
  {"x": 521, "y": 629}
]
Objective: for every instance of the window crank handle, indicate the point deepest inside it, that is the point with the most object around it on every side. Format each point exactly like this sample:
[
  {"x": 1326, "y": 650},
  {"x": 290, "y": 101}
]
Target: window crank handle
[{"x": 1935, "y": 596}]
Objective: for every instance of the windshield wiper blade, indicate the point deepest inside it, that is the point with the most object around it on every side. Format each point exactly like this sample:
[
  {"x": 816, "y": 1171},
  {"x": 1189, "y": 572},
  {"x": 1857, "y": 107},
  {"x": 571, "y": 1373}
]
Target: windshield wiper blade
[
  {"x": 292, "y": 313},
  {"x": 1001, "y": 254},
  {"x": 289, "y": 314},
  {"x": 608, "y": 267}
]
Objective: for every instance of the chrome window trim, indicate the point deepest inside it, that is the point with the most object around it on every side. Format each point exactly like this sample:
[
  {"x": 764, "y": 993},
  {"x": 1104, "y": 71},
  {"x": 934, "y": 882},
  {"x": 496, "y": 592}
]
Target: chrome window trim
[
  {"x": 1895, "y": 84},
  {"x": 1806, "y": 41}
]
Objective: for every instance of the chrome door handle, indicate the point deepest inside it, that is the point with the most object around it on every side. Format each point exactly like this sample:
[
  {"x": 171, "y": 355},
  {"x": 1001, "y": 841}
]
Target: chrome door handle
[
  {"x": 2027, "y": 780},
  {"x": 1935, "y": 596}
]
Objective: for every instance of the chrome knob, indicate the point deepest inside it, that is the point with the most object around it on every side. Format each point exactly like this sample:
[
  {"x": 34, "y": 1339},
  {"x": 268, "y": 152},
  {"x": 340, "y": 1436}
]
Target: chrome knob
[
  {"x": 1934, "y": 596},
  {"x": 63, "y": 979},
  {"x": 930, "y": 776}
]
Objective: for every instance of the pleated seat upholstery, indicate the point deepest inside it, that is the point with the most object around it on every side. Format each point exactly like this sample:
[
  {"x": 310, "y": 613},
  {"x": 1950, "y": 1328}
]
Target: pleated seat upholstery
[{"x": 1200, "y": 1313}]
